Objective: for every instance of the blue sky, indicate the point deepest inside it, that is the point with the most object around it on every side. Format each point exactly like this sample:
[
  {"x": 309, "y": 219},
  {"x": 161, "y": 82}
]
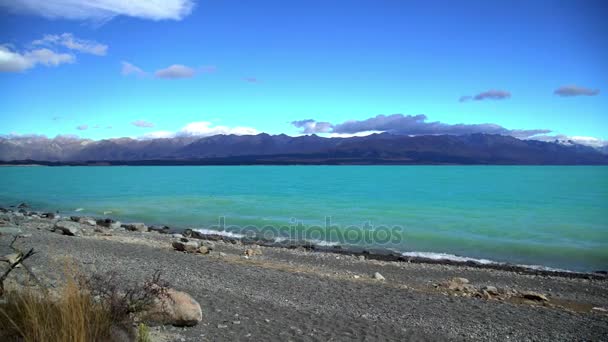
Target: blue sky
[{"x": 245, "y": 66}]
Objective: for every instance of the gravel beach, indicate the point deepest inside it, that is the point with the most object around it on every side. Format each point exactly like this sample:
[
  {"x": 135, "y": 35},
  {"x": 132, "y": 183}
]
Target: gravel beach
[{"x": 302, "y": 295}]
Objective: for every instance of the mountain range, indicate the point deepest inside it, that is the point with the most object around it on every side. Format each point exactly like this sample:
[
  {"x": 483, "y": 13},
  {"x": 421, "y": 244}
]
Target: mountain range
[{"x": 383, "y": 148}]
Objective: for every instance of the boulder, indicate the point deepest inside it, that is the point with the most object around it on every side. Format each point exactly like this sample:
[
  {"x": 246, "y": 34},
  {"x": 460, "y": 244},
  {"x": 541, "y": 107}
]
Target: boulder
[
  {"x": 135, "y": 227},
  {"x": 187, "y": 246},
  {"x": 159, "y": 229},
  {"x": 175, "y": 308},
  {"x": 108, "y": 223},
  {"x": 67, "y": 228},
  {"x": 253, "y": 252},
  {"x": 203, "y": 250},
  {"x": 88, "y": 221},
  {"x": 378, "y": 276},
  {"x": 460, "y": 284},
  {"x": 23, "y": 206},
  {"x": 490, "y": 290},
  {"x": 532, "y": 295}
]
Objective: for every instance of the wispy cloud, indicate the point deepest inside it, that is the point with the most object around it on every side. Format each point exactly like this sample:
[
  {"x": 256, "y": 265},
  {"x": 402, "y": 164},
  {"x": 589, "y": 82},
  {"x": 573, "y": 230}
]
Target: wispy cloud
[
  {"x": 574, "y": 90},
  {"x": 68, "y": 40},
  {"x": 487, "y": 95},
  {"x": 142, "y": 124},
  {"x": 409, "y": 125},
  {"x": 175, "y": 71},
  {"x": 251, "y": 80},
  {"x": 102, "y": 10},
  {"x": 39, "y": 52},
  {"x": 131, "y": 69},
  {"x": 82, "y": 127},
  {"x": 14, "y": 61}
]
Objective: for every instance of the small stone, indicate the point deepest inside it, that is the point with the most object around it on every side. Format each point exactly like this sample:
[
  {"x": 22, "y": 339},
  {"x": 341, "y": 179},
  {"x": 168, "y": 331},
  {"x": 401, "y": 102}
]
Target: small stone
[
  {"x": 236, "y": 322},
  {"x": 356, "y": 276},
  {"x": 135, "y": 227},
  {"x": 459, "y": 280},
  {"x": 177, "y": 236},
  {"x": 599, "y": 309},
  {"x": 253, "y": 252},
  {"x": 203, "y": 250},
  {"x": 490, "y": 290},
  {"x": 222, "y": 326},
  {"x": 534, "y": 296},
  {"x": 222, "y": 254},
  {"x": 378, "y": 276},
  {"x": 361, "y": 257}
]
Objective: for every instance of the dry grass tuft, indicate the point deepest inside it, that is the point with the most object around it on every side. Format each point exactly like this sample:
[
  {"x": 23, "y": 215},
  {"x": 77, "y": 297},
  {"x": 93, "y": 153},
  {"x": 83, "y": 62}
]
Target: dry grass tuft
[{"x": 35, "y": 317}]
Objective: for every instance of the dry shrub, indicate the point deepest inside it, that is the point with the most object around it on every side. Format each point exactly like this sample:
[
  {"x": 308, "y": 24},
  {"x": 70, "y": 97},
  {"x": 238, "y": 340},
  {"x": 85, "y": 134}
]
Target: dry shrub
[
  {"x": 85, "y": 309},
  {"x": 122, "y": 298},
  {"x": 35, "y": 317}
]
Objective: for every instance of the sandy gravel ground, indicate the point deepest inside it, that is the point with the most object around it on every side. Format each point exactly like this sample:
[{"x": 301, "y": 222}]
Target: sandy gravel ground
[{"x": 298, "y": 295}]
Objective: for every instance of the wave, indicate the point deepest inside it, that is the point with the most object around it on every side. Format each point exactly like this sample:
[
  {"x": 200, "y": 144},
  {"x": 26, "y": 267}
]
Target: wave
[
  {"x": 220, "y": 232},
  {"x": 456, "y": 258}
]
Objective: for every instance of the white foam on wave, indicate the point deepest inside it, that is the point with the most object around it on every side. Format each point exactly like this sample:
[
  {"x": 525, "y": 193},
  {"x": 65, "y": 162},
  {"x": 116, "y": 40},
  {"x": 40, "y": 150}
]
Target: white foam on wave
[
  {"x": 220, "y": 232},
  {"x": 452, "y": 257},
  {"x": 79, "y": 209},
  {"x": 445, "y": 256}
]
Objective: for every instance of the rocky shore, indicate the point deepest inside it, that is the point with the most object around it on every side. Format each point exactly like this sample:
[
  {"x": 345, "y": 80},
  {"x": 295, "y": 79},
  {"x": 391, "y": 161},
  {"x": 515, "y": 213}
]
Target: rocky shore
[{"x": 252, "y": 290}]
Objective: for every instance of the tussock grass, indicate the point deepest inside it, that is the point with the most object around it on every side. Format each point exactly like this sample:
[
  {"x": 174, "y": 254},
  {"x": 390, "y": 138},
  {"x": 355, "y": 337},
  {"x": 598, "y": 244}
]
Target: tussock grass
[{"x": 33, "y": 316}]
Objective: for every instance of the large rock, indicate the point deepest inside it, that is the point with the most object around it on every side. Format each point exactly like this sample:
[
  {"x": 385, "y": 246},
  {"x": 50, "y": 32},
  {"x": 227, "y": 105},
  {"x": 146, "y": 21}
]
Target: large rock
[
  {"x": 67, "y": 228},
  {"x": 176, "y": 308},
  {"x": 88, "y": 221},
  {"x": 378, "y": 276},
  {"x": 108, "y": 223},
  {"x": 135, "y": 227},
  {"x": 186, "y": 246},
  {"x": 160, "y": 229}
]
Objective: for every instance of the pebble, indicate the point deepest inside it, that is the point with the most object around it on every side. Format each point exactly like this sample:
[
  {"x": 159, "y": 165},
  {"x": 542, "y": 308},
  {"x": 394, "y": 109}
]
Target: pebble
[{"x": 378, "y": 276}]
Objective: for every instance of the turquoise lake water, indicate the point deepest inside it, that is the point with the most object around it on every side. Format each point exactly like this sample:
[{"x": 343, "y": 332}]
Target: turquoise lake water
[{"x": 554, "y": 216}]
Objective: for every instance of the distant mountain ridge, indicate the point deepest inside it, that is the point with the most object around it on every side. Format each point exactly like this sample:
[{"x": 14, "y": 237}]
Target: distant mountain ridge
[{"x": 381, "y": 148}]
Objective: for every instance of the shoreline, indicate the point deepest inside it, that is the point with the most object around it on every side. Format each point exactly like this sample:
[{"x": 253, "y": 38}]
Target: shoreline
[
  {"x": 249, "y": 291},
  {"x": 378, "y": 254}
]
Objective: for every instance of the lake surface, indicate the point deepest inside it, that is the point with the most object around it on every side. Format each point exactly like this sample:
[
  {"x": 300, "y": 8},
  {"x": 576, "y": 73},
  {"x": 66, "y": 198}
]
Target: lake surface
[{"x": 553, "y": 216}]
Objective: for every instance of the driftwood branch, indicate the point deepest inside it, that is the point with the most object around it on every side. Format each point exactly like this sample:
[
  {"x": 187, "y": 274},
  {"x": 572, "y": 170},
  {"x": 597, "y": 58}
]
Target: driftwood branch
[{"x": 22, "y": 257}]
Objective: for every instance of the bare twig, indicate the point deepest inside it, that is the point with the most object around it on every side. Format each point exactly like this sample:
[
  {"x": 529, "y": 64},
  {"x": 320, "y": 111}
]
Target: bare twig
[{"x": 12, "y": 266}]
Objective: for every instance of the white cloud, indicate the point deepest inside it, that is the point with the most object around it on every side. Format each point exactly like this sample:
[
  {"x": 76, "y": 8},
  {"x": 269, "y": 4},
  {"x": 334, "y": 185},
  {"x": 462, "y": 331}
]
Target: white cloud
[
  {"x": 158, "y": 135},
  {"x": 175, "y": 71},
  {"x": 565, "y": 139},
  {"x": 142, "y": 124},
  {"x": 69, "y": 41},
  {"x": 102, "y": 10},
  {"x": 131, "y": 69},
  {"x": 82, "y": 127},
  {"x": 201, "y": 129},
  {"x": 205, "y": 129},
  {"x": 349, "y": 135},
  {"x": 14, "y": 61}
]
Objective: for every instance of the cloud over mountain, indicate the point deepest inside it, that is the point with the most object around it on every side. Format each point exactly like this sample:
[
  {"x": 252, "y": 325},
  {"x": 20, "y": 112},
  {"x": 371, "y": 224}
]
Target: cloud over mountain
[
  {"x": 102, "y": 10},
  {"x": 201, "y": 129},
  {"x": 409, "y": 125}
]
